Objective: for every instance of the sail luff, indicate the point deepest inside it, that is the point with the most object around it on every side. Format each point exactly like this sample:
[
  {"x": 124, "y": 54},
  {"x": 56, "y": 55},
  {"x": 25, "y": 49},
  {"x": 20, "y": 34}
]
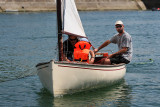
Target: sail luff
[{"x": 71, "y": 20}]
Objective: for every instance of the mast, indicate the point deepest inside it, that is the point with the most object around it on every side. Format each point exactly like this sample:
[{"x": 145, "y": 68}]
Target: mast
[{"x": 59, "y": 23}]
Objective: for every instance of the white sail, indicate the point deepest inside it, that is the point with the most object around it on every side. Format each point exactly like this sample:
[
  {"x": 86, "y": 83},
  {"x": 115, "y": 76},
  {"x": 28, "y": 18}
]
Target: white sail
[{"x": 71, "y": 20}]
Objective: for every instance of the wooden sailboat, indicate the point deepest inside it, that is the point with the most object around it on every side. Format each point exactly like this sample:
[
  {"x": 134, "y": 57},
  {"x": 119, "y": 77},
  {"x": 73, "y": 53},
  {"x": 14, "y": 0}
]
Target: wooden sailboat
[{"x": 61, "y": 77}]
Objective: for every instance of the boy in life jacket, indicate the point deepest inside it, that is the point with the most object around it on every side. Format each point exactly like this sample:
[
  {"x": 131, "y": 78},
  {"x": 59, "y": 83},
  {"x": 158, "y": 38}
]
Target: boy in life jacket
[{"x": 82, "y": 51}]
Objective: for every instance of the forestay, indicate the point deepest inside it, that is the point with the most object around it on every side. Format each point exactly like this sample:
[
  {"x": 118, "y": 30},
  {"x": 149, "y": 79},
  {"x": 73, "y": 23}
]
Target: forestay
[{"x": 71, "y": 20}]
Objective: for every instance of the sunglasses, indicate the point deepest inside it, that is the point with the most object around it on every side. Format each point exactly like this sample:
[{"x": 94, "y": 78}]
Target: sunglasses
[
  {"x": 73, "y": 39},
  {"x": 118, "y": 26}
]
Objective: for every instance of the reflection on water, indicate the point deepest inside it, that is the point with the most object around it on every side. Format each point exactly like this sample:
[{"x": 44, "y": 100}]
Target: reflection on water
[
  {"x": 117, "y": 95},
  {"x": 46, "y": 98}
]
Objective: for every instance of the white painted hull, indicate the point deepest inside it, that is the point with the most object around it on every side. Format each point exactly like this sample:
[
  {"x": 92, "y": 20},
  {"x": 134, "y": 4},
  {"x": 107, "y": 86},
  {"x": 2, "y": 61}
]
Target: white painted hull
[{"x": 63, "y": 78}]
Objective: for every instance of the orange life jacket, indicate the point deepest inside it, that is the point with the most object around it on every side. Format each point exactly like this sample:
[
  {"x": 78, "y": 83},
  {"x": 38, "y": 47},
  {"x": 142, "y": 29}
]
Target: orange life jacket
[{"x": 81, "y": 51}]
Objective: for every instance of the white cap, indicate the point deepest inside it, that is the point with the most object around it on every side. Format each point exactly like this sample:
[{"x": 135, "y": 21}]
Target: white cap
[
  {"x": 84, "y": 39},
  {"x": 119, "y": 22}
]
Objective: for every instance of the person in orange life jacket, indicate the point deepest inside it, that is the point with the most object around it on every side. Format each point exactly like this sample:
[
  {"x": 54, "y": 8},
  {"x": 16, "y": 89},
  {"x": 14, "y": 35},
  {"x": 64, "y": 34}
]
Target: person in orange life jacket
[
  {"x": 68, "y": 47},
  {"x": 82, "y": 51}
]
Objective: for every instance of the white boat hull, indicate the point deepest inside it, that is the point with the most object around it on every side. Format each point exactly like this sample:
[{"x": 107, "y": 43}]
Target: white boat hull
[{"x": 63, "y": 78}]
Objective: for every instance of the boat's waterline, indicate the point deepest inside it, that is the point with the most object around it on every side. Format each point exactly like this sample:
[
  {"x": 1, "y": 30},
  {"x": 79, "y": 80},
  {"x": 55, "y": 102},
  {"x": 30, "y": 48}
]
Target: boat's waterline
[{"x": 64, "y": 78}]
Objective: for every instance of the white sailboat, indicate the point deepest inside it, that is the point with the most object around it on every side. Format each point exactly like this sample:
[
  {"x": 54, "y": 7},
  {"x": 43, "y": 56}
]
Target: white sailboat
[{"x": 61, "y": 77}]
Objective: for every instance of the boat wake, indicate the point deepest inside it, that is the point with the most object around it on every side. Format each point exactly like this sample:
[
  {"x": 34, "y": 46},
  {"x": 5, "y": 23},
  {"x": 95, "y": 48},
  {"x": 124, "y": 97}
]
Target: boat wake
[
  {"x": 150, "y": 61},
  {"x": 13, "y": 75}
]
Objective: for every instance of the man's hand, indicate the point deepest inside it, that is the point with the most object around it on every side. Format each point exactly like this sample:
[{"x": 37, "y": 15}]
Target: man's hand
[{"x": 95, "y": 50}]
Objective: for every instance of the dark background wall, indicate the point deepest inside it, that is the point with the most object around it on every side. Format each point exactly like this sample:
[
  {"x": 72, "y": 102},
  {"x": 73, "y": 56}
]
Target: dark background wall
[{"x": 151, "y": 3}]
